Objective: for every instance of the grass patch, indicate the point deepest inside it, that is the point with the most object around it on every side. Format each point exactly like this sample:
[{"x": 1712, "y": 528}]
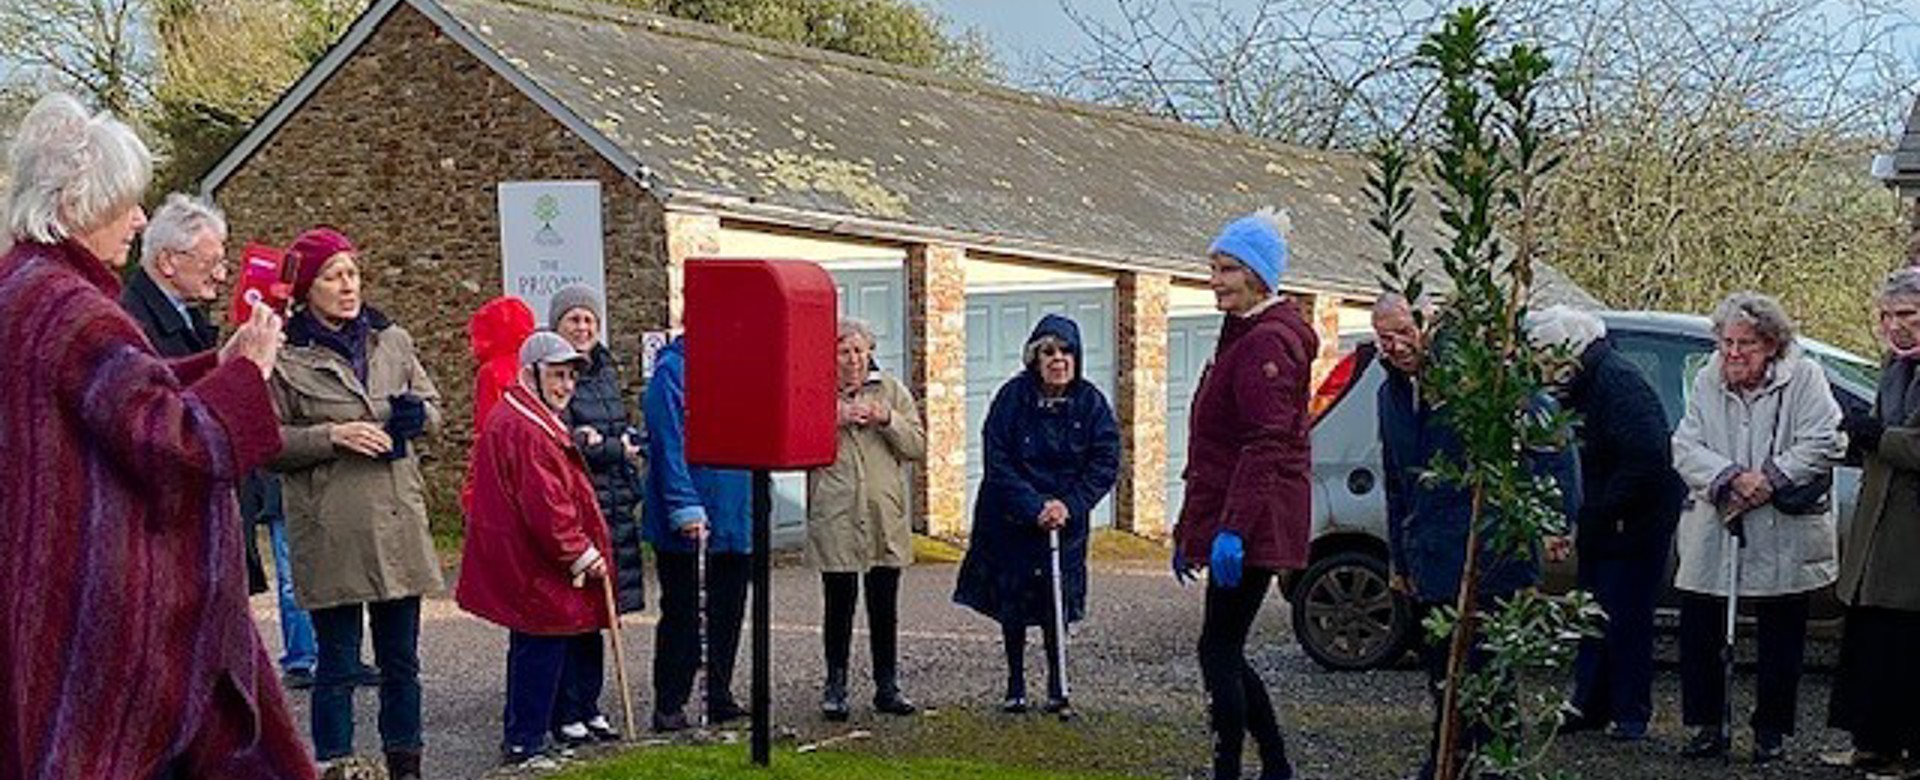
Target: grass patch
[
  {"x": 714, "y": 762},
  {"x": 927, "y": 549},
  {"x": 1111, "y": 545}
]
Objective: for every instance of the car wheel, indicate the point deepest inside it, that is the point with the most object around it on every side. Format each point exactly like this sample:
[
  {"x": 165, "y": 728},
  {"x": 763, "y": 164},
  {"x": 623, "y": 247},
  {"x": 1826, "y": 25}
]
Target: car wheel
[{"x": 1345, "y": 615}]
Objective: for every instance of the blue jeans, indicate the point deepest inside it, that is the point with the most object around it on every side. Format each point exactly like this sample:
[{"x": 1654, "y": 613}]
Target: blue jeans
[
  {"x": 396, "y": 648},
  {"x": 296, "y": 627},
  {"x": 551, "y": 681}
]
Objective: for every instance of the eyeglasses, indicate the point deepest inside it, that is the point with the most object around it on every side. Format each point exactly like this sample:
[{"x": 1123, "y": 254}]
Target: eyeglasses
[
  {"x": 211, "y": 261},
  {"x": 1051, "y": 350}
]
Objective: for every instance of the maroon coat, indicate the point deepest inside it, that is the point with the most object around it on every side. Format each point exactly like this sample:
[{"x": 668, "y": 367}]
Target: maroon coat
[
  {"x": 533, "y": 516},
  {"x": 1249, "y": 469},
  {"x": 126, "y": 643}
]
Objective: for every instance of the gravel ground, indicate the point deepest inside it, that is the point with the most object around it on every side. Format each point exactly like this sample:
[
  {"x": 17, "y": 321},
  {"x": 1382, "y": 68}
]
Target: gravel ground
[{"x": 1133, "y": 677}]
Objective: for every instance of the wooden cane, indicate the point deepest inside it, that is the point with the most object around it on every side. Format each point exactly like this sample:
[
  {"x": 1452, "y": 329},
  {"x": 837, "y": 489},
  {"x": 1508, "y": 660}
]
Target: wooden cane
[{"x": 619, "y": 653}]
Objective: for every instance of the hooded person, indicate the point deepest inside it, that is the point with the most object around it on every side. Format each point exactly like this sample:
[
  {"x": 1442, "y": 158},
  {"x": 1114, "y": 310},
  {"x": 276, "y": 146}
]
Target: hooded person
[
  {"x": 1051, "y": 451},
  {"x": 494, "y": 334},
  {"x": 535, "y": 542},
  {"x": 1248, "y": 506}
]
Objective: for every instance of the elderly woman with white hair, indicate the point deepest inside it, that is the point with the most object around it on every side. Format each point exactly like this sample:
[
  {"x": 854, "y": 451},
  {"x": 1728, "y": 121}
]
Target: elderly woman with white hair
[
  {"x": 1756, "y": 448},
  {"x": 1874, "y": 694},
  {"x": 127, "y": 648},
  {"x": 1624, "y": 528},
  {"x": 857, "y": 524}
]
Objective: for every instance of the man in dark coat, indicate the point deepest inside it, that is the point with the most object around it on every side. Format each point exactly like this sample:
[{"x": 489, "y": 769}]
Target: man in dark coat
[
  {"x": 1624, "y": 529},
  {"x": 1051, "y": 451},
  {"x": 1427, "y": 523},
  {"x": 182, "y": 265}
]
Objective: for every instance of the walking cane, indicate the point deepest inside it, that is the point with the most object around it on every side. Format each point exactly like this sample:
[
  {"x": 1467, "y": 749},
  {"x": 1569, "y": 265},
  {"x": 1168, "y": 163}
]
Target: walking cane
[
  {"x": 619, "y": 653},
  {"x": 700, "y": 586},
  {"x": 1059, "y": 613},
  {"x": 1736, "y": 541}
]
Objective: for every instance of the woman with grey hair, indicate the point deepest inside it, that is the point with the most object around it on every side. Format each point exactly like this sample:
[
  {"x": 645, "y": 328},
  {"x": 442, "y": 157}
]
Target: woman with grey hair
[
  {"x": 1630, "y": 502},
  {"x": 857, "y": 524},
  {"x": 127, "y": 648},
  {"x": 1756, "y": 448},
  {"x": 1875, "y": 691},
  {"x": 1051, "y": 451}
]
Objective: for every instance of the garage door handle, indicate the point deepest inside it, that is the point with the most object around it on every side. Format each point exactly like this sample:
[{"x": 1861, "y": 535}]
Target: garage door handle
[{"x": 1360, "y": 482}]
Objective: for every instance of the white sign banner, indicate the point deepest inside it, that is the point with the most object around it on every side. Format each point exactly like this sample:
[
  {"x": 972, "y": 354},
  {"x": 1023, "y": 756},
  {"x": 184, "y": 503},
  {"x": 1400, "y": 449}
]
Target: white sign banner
[{"x": 550, "y": 237}]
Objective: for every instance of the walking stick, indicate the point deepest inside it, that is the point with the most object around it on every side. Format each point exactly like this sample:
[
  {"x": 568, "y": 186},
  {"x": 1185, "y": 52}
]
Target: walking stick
[
  {"x": 700, "y": 608},
  {"x": 1736, "y": 541},
  {"x": 619, "y": 652},
  {"x": 1059, "y": 613}
]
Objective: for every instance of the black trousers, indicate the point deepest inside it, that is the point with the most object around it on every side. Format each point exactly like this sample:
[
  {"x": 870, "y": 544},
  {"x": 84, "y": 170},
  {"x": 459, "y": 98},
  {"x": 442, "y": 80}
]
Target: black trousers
[
  {"x": 883, "y": 620},
  {"x": 1783, "y": 648},
  {"x": 1434, "y": 655},
  {"x": 676, "y": 654},
  {"x": 1237, "y": 699},
  {"x": 1013, "y": 637},
  {"x": 1876, "y": 696},
  {"x": 1613, "y": 674}
]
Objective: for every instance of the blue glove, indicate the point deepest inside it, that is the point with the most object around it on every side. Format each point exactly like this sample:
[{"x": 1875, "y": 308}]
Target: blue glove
[
  {"x": 1228, "y": 554},
  {"x": 408, "y": 418},
  {"x": 1182, "y": 571}
]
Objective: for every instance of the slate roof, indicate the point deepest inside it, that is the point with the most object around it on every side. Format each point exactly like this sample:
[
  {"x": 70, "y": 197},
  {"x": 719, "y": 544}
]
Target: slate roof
[{"x": 706, "y": 111}]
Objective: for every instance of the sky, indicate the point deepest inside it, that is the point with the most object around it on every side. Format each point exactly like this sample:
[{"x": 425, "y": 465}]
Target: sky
[{"x": 1022, "y": 31}]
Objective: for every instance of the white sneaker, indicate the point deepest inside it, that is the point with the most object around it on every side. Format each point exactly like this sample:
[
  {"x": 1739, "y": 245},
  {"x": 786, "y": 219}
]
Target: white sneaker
[{"x": 574, "y": 733}]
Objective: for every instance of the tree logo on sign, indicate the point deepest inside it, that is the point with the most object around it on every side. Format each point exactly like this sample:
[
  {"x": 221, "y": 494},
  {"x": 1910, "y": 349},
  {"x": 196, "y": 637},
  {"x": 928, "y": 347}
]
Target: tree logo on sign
[{"x": 546, "y": 209}]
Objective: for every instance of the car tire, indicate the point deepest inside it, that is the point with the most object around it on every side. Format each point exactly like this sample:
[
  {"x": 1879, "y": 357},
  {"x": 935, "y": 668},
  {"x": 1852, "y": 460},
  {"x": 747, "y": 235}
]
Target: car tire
[{"x": 1345, "y": 615}]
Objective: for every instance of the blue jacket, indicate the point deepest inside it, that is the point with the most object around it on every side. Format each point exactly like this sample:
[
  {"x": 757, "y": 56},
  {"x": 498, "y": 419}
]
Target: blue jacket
[
  {"x": 1034, "y": 450},
  {"x": 678, "y": 494},
  {"x": 1427, "y": 524}
]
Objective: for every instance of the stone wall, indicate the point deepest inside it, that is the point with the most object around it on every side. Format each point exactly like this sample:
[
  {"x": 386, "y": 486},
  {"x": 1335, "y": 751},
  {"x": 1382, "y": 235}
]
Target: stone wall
[
  {"x": 401, "y": 149},
  {"x": 937, "y": 330},
  {"x": 1141, "y": 403}
]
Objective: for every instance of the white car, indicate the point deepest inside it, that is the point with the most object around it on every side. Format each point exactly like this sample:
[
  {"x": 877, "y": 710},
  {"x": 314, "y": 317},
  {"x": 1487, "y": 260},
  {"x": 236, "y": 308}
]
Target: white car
[{"x": 1344, "y": 615}]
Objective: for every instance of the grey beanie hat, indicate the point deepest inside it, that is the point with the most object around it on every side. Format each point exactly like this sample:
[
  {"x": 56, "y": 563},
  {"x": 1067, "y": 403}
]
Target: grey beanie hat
[{"x": 570, "y": 297}]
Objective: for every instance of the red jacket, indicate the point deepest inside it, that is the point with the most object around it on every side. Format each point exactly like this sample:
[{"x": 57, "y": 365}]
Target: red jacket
[
  {"x": 494, "y": 333},
  {"x": 1249, "y": 467},
  {"x": 126, "y": 643},
  {"x": 533, "y": 521}
]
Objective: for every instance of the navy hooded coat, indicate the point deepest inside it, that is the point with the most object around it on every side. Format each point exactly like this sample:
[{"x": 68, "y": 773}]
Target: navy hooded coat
[{"x": 1036, "y": 449}]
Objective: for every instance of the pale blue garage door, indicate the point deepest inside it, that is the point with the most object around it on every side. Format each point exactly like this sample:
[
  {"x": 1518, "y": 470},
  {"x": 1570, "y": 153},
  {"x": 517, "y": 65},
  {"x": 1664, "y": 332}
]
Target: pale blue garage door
[
  {"x": 1190, "y": 340},
  {"x": 998, "y": 324},
  {"x": 879, "y": 297}
]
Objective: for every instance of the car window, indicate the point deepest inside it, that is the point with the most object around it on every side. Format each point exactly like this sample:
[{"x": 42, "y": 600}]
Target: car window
[
  {"x": 1847, "y": 366},
  {"x": 1668, "y": 363}
]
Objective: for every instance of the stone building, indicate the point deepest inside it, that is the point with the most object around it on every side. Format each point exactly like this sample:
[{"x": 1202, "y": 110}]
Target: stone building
[{"x": 951, "y": 214}]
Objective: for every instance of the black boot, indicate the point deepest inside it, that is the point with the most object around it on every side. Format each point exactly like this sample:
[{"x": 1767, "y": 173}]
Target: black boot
[
  {"x": 833, "y": 700},
  {"x": 403, "y": 764},
  {"x": 886, "y": 694}
]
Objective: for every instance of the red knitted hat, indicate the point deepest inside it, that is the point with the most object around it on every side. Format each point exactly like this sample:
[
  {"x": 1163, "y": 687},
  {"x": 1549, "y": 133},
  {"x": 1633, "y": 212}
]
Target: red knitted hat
[{"x": 310, "y": 253}]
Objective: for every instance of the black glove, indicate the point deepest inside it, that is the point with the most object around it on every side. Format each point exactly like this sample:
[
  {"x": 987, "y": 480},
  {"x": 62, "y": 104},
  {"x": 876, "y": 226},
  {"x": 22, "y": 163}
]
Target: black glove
[
  {"x": 408, "y": 419},
  {"x": 1863, "y": 433}
]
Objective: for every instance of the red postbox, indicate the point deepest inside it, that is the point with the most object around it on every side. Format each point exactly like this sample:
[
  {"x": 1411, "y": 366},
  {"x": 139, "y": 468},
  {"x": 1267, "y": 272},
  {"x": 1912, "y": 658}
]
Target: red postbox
[{"x": 761, "y": 337}]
